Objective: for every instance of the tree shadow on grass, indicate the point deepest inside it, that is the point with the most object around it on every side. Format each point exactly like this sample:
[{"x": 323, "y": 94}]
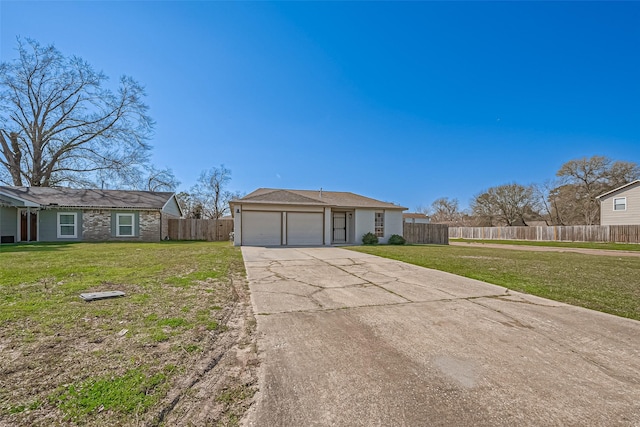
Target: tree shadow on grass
[{"x": 34, "y": 247}]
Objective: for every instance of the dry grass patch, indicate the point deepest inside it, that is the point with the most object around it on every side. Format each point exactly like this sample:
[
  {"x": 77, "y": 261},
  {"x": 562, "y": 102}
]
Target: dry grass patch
[{"x": 113, "y": 362}]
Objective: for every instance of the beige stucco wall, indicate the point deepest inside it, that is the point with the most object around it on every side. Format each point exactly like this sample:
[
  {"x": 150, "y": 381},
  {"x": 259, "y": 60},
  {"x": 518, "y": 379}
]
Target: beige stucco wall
[{"x": 630, "y": 216}]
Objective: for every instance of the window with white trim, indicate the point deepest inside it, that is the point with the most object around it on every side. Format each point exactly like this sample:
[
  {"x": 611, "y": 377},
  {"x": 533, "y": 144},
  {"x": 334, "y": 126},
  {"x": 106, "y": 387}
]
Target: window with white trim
[
  {"x": 67, "y": 225},
  {"x": 379, "y": 224},
  {"x": 620, "y": 204},
  {"x": 125, "y": 225}
]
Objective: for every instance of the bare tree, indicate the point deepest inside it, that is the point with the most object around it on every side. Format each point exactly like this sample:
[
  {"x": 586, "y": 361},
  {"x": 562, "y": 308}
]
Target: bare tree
[
  {"x": 509, "y": 204},
  {"x": 59, "y": 125},
  {"x": 445, "y": 211},
  {"x": 484, "y": 210},
  {"x": 211, "y": 194},
  {"x": 582, "y": 180},
  {"x": 544, "y": 202},
  {"x": 191, "y": 207},
  {"x": 161, "y": 180}
]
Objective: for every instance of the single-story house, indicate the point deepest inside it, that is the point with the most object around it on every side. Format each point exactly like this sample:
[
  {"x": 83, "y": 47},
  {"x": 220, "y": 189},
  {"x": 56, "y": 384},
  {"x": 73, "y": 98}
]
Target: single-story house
[
  {"x": 46, "y": 214},
  {"x": 621, "y": 206},
  {"x": 415, "y": 218},
  {"x": 276, "y": 217}
]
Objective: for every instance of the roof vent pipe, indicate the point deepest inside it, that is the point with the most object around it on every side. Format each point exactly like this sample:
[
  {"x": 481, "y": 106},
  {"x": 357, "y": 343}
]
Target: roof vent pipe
[{"x": 321, "y": 192}]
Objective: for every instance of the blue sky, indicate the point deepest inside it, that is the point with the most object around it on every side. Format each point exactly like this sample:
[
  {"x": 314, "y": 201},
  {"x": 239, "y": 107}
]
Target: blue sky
[{"x": 401, "y": 101}]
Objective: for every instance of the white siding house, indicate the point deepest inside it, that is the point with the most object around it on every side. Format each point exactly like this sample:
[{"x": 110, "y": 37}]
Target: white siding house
[
  {"x": 621, "y": 206},
  {"x": 274, "y": 217}
]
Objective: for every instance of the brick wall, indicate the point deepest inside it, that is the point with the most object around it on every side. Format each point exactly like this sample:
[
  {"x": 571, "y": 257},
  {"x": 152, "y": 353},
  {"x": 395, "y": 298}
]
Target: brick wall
[
  {"x": 164, "y": 224},
  {"x": 96, "y": 226},
  {"x": 149, "y": 230}
]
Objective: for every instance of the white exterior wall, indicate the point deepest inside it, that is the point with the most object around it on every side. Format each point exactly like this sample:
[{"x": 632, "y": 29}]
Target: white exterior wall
[
  {"x": 239, "y": 208},
  {"x": 364, "y": 224},
  {"x": 631, "y": 216},
  {"x": 392, "y": 224},
  {"x": 363, "y": 221},
  {"x": 328, "y": 226},
  {"x": 237, "y": 225}
]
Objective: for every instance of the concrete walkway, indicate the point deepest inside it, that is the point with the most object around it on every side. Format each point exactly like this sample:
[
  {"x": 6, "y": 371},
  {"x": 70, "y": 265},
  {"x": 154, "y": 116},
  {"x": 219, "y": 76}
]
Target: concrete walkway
[{"x": 350, "y": 339}]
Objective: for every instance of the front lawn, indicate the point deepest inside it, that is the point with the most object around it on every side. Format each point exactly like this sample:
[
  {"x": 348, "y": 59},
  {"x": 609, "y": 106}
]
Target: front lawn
[
  {"x": 604, "y": 283},
  {"x": 110, "y": 362},
  {"x": 580, "y": 245}
]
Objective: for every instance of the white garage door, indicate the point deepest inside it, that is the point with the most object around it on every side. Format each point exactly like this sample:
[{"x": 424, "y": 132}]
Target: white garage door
[
  {"x": 261, "y": 228},
  {"x": 304, "y": 228}
]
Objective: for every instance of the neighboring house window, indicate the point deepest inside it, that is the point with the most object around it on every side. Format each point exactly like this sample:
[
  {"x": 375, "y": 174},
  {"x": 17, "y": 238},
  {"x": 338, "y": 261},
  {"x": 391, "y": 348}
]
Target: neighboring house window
[
  {"x": 67, "y": 225},
  {"x": 620, "y": 204},
  {"x": 379, "y": 224},
  {"x": 125, "y": 225}
]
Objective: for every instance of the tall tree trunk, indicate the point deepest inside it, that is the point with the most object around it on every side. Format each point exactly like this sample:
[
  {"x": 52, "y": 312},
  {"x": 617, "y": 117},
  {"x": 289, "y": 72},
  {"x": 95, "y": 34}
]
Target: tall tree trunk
[{"x": 13, "y": 156}]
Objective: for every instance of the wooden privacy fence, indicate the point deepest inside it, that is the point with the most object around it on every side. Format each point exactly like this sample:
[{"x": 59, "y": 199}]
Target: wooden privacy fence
[
  {"x": 213, "y": 230},
  {"x": 426, "y": 233},
  {"x": 568, "y": 233}
]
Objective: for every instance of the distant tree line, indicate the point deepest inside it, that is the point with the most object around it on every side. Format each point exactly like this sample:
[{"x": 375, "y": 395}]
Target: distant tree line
[{"x": 568, "y": 199}]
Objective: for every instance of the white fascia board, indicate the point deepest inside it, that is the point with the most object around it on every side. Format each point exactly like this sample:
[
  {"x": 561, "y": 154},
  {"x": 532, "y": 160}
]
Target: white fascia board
[{"x": 26, "y": 203}]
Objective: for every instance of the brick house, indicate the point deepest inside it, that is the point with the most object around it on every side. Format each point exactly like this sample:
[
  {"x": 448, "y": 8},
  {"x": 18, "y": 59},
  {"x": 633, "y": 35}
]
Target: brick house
[{"x": 47, "y": 214}]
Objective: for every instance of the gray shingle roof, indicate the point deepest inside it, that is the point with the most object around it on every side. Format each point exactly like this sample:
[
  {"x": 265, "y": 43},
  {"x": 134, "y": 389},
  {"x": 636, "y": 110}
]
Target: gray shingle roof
[
  {"x": 313, "y": 197},
  {"x": 82, "y": 198}
]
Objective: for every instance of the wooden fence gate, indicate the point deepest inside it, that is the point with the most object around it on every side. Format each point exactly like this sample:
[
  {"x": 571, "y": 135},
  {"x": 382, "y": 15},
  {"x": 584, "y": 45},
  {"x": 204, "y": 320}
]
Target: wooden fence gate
[{"x": 212, "y": 230}]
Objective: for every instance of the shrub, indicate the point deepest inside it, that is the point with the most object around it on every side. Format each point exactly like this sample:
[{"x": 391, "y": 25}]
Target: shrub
[
  {"x": 369, "y": 239},
  {"x": 396, "y": 239}
]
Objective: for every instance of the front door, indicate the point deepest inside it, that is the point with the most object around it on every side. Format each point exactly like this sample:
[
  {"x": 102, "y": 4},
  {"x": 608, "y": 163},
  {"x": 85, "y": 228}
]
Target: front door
[
  {"x": 339, "y": 227},
  {"x": 28, "y": 226}
]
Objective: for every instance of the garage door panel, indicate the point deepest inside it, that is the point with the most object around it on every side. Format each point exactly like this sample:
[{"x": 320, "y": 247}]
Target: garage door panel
[
  {"x": 305, "y": 228},
  {"x": 261, "y": 228}
]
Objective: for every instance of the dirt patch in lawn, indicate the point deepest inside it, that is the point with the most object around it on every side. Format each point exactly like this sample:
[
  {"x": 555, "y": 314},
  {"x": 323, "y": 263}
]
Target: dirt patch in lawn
[{"x": 178, "y": 349}]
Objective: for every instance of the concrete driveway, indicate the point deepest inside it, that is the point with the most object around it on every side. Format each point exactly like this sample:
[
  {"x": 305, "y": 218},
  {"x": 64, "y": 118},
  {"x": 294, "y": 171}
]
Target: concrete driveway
[{"x": 349, "y": 339}]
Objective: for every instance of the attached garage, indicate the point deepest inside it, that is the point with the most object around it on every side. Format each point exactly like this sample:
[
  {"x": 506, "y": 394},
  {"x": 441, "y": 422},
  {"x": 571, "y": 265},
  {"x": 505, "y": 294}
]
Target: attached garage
[
  {"x": 278, "y": 217},
  {"x": 305, "y": 228},
  {"x": 261, "y": 228}
]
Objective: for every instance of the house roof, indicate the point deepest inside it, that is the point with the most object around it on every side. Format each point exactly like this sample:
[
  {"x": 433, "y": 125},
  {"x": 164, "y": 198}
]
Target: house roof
[
  {"x": 83, "y": 198},
  {"x": 314, "y": 198},
  {"x": 622, "y": 187},
  {"x": 414, "y": 215}
]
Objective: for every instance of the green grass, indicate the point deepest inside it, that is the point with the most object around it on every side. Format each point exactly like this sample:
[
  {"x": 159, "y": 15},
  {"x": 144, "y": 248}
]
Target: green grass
[
  {"x": 133, "y": 392},
  {"x": 62, "y": 353},
  {"x": 581, "y": 245},
  {"x": 605, "y": 283}
]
